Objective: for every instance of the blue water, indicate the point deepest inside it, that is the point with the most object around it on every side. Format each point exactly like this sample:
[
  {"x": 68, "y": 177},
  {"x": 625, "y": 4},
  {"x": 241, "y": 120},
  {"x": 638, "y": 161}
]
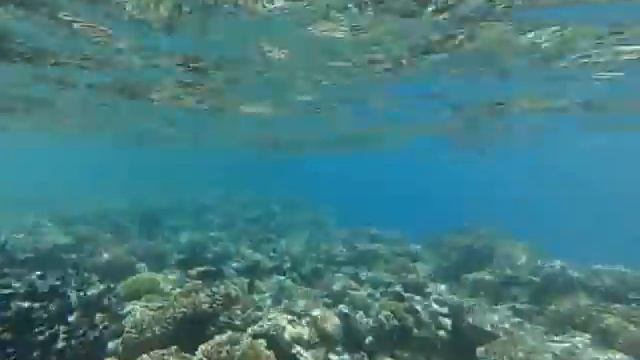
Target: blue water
[
  {"x": 569, "y": 191},
  {"x": 573, "y": 196}
]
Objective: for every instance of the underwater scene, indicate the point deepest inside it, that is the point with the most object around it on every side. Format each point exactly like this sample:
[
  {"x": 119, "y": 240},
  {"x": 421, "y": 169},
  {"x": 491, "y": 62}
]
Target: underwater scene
[{"x": 319, "y": 180}]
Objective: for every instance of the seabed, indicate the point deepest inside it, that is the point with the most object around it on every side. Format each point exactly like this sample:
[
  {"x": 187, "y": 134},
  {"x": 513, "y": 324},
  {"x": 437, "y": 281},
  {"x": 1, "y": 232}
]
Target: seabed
[{"x": 248, "y": 280}]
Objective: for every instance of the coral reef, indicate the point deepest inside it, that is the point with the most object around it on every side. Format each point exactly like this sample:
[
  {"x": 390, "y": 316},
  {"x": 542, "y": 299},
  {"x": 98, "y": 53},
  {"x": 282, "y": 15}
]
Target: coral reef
[
  {"x": 45, "y": 316},
  {"x": 244, "y": 282},
  {"x": 166, "y": 354},
  {"x": 180, "y": 318},
  {"x": 140, "y": 285},
  {"x": 234, "y": 346}
]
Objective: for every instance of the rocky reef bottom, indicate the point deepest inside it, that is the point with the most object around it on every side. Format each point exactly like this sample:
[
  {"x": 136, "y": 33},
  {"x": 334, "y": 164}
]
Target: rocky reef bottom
[{"x": 237, "y": 280}]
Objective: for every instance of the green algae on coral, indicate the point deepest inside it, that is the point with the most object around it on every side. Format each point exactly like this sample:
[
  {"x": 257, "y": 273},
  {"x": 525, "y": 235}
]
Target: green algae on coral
[{"x": 140, "y": 285}]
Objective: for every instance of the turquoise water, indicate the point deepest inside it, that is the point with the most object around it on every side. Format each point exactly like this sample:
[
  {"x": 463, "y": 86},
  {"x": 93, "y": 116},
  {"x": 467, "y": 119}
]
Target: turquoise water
[
  {"x": 319, "y": 180},
  {"x": 574, "y": 195},
  {"x": 422, "y": 149},
  {"x": 561, "y": 176}
]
